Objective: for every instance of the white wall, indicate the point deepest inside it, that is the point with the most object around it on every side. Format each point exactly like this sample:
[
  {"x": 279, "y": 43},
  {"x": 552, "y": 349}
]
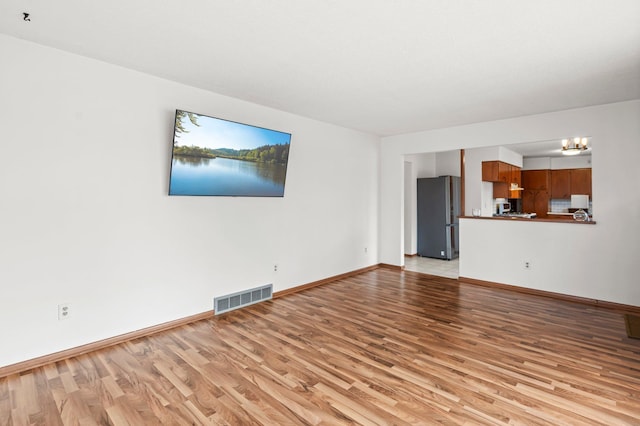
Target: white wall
[
  {"x": 580, "y": 162},
  {"x": 510, "y": 157},
  {"x": 410, "y": 214},
  {"x": 607, "y": 251},
  {"x": 86, "y": 219},
  {"x": 435, "y": 164},
  {"x": 423, "y": 164},
  {"x": 478, "y": 194},
  {"x": 536, "y": 163},
  {"x": 541, "y": 163},
  {"x": 448, "y": 163}
]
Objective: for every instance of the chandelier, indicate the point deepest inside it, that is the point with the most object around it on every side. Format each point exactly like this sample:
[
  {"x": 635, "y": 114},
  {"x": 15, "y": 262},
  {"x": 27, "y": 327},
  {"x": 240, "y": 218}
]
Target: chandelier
[{"x": 574, "y": 146}]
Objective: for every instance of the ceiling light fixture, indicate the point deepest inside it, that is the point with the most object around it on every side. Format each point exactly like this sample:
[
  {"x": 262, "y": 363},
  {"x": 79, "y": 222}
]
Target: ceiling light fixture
[{"x": 574, "y": 146}]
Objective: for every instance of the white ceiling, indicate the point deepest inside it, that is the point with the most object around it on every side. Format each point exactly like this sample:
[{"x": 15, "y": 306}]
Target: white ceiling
[{"x": 382, "y": 66}]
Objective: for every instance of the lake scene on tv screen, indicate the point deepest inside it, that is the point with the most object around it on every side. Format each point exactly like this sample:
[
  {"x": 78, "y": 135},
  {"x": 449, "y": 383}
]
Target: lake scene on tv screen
[{"x": 217, "y": 157}]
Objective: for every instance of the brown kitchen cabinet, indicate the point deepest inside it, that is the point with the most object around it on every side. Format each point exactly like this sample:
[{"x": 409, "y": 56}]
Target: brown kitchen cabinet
[
  {"x": 500, "y": 190},
  {"x": 535, "y": 179},
  {"x": 516, "y": 177},
  {"x": 502, "y": 175},
  {"x": 536, "y": 194},
  {"x": 535, "y": 201},
  {"x": 490, "y": 171},
  {"x": 570, "y": 181},
  {"x": 581, "y": 181},
  {"x": 560, "y": 184},
  {"x": 504, "y": 172}
]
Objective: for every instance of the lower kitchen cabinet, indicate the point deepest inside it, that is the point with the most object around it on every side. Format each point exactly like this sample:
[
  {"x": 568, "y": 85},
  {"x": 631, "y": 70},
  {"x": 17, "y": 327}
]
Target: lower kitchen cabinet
[{"x": 535, "y": 201}]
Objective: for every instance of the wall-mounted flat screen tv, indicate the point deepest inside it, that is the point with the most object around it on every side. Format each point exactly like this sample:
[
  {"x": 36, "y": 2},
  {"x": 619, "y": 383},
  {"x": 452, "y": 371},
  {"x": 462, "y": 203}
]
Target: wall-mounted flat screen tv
[{"x": 217, "y": 157}]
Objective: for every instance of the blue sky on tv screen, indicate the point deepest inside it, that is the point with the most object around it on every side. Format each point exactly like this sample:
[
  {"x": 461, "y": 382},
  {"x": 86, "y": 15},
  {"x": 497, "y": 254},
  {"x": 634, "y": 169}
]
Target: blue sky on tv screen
[{"x": 216, "y": 133}]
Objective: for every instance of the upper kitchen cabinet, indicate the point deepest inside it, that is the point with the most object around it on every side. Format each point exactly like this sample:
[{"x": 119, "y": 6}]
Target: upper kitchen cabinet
[
  {"x": 565, "y": 182},
  {"x": 490, "y": 171},
  {"x": 560, "y": 184},
  {"x": 505, "y": 178},
  {"x": 581, "y": 181},
  {"x": 536, "y": 179}
]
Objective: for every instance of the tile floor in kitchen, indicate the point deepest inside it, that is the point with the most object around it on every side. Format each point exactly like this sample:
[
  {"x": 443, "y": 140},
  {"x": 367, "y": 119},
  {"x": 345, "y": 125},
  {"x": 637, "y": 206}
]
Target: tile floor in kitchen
[{"x": 427, "y": 265}]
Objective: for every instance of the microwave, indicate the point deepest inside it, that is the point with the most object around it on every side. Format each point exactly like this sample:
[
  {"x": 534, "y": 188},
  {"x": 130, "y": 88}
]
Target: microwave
[{"x": 503, "y": 208}]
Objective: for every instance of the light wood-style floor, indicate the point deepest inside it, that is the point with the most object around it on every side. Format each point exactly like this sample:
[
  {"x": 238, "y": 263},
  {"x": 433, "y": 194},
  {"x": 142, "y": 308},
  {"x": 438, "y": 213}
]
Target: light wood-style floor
[{"x": 383, "y": 347}]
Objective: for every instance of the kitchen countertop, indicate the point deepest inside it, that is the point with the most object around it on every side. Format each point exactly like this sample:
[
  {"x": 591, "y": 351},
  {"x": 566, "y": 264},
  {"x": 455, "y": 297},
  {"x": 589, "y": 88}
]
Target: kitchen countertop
[{"x": 535, "y": 219}]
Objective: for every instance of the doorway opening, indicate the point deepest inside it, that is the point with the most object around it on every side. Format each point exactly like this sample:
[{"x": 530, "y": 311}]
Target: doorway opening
[{"x": 428, "y": 165}]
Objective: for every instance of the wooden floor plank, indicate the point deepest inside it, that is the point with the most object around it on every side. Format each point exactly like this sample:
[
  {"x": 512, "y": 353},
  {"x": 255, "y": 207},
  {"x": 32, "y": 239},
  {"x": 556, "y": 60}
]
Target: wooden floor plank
[{"x": 382, "y": 347}]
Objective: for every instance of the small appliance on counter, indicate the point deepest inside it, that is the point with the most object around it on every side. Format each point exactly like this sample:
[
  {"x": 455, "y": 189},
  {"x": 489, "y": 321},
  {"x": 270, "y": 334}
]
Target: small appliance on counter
[
  {"x": 579, "y": 202},
  {"x": 507, "y": 208},
  {"x": 502, "y": 206}
]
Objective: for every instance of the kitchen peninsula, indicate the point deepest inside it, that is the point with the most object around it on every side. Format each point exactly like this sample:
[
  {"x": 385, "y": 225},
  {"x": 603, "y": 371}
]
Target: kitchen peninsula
[{"x": 552, "y": 218}]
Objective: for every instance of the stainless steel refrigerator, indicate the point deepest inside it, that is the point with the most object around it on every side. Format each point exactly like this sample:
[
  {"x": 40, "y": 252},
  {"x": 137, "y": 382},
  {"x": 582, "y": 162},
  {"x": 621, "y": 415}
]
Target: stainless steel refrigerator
[{"x": 438, "y": 211}]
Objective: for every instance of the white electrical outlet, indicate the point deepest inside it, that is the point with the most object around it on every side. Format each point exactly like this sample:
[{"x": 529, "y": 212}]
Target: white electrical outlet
[
  {"x": 365, "y": 249},
  {"x": 527, "y": 264},
  {"x": 64, "y": 311},
  {"x": 275, "y": 268}
]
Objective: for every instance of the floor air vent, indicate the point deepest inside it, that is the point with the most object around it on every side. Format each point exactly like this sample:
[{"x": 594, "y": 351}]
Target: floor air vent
[{"x": 241, "y": 299}]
